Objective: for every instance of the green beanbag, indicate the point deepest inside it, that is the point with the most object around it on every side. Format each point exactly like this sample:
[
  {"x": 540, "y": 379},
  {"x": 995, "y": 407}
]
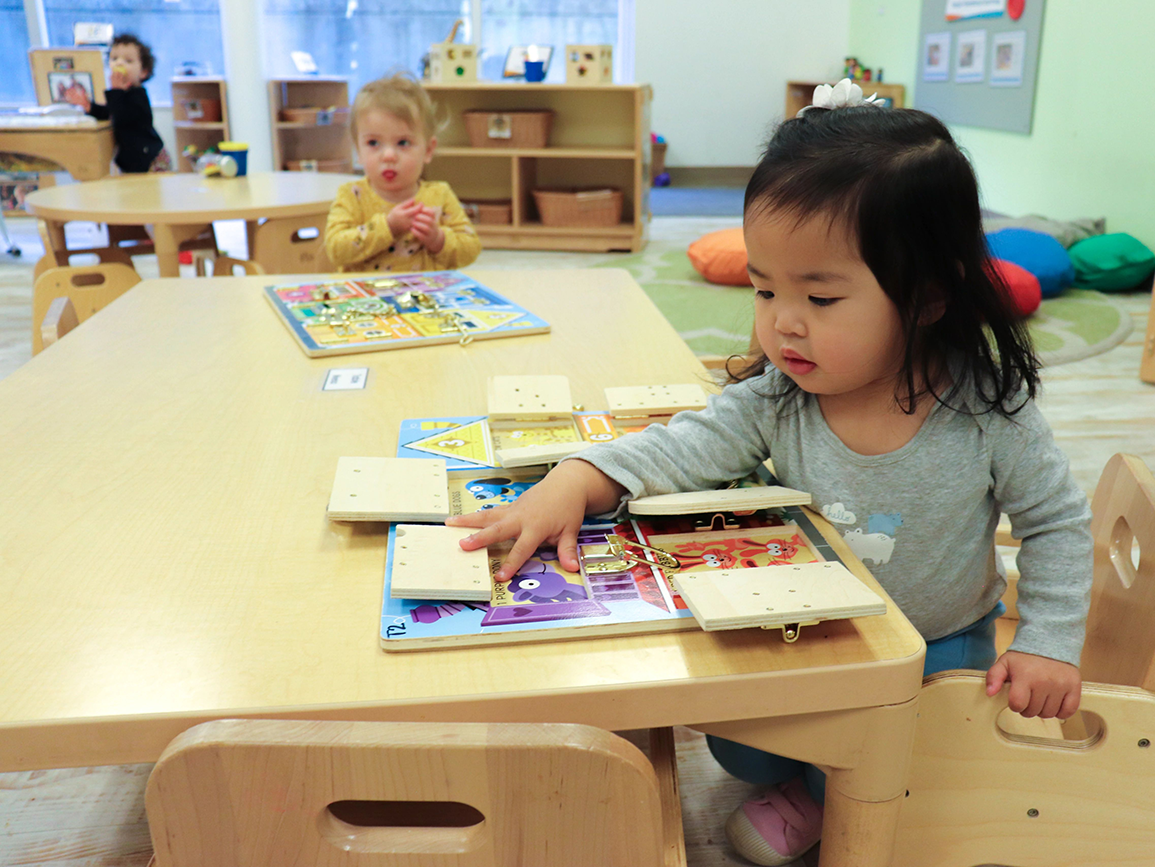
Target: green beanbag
[{"x": 1111, "y": 262}]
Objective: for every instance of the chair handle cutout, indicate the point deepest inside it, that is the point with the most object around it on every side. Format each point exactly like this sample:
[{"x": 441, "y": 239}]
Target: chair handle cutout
[
  {"x": 1124, "y": 559},
  {"x": 446, "y": 827}
]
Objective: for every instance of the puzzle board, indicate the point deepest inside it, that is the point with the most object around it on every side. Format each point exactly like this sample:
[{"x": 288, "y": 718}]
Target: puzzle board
[
  {"x": 545, "y": 602},
  {"x": 339, "y": 317}
]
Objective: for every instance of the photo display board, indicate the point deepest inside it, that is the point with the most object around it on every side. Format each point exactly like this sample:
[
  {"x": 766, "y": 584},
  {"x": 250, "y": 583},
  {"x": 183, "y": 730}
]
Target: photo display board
[{"x": 978, "y": 61}]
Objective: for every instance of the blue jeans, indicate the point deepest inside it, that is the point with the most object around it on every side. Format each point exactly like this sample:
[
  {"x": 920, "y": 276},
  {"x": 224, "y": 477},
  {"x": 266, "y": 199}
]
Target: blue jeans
[{"x": 972, "y": 647}]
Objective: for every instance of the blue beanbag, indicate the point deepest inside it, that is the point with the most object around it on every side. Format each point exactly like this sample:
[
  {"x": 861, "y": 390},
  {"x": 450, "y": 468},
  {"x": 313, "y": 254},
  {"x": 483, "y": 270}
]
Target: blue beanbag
[{"x": 1040, "y": 254}]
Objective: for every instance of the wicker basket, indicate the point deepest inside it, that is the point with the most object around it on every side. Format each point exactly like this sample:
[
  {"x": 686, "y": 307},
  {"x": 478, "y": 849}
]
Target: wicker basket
[
  {"x": 596, "y": 208},
  {"x": 508, "y": 129},
  {"x": 345, "y": 166},
  {"x": 201, "y": 110},
  {"x": 497, "y": 212},
  {"x": 316, "y": 116}
]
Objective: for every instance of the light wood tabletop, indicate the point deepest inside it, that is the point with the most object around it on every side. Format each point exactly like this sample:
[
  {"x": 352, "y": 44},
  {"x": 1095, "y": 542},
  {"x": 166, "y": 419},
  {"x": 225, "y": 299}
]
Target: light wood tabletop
[
  {"x": 180, "y": 206},
  {"x": 166, "y": 558}
]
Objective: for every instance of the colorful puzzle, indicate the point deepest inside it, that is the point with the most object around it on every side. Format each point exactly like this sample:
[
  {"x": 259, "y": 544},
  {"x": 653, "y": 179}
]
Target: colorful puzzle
[
  {"x": 621, "y": 587},
  {"x": 339, "y": 317}
]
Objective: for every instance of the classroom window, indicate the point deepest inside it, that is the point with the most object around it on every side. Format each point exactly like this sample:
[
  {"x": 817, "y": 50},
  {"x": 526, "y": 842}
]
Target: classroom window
[
  {"x": 16, "y": 85},
  {"x": 543, "y": 22},
  {"x": 184, "y": 31},
  {"x": 365, "y": 39},
  {"x": 358, "y": 39}
]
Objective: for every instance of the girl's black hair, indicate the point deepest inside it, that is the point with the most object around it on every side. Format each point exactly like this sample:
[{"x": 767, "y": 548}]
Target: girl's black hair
[
  {"x": 896, "y": 179},
  {"x": 147, "y": 61}
]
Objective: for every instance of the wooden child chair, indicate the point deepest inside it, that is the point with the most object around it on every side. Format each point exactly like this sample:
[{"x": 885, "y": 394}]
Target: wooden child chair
[
  {"x": 225, "y": 266},
  {"x": 291, "y": 245},
  {"x": 375, "y": 794},
  {"x": 982, "y": 794},
  {"x": 88, "y": 288}
]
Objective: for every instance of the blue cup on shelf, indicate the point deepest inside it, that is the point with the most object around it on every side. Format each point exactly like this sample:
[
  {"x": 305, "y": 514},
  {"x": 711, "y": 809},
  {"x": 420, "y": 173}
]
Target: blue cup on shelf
[
  {"x": 534, "y": 70},
  {"x": 239, "y": 151}
]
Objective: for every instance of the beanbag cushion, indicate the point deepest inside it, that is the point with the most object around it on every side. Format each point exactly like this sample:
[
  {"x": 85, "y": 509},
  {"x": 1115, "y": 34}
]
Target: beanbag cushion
[
  {"x": 1026, "y": 294},
  {"x": 1066, "y": 232},
  {"x": 1111, "y": 262},
  {"x": 1040, "y": 254},
  {"x": 720, "y": 257}
]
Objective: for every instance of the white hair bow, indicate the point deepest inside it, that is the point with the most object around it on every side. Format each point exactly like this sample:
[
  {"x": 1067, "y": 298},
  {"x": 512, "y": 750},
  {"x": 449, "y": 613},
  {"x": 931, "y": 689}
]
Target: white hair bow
[{"x": 845, "y": 93}]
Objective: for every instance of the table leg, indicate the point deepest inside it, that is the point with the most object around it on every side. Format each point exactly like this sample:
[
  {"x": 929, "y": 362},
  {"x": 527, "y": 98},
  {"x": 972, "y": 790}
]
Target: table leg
[
  {"x": 167, "y": 239},
  {"x": 250, "y": 238},
  {"x": 55, "y": 245},
  {"x": 866, "y": 754}
]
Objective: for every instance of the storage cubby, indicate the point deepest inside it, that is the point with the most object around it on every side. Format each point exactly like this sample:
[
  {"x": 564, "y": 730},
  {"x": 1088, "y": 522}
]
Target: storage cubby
[
  {"x": 599, "y": 137},
  {"x": 200, "y": 115},
  {"x": 310, "y": 122}
]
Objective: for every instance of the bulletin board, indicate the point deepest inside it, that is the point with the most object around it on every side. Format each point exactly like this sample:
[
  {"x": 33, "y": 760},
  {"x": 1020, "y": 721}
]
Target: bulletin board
[{"x": 978, "y": 61}]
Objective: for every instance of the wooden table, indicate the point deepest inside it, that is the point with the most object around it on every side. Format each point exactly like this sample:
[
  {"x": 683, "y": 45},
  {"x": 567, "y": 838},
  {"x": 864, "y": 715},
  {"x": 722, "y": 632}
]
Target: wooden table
[
  {"x": 166, "y": 557},
  {"x": 181, "y": 206},
  {"x": 84, "y": 151}
]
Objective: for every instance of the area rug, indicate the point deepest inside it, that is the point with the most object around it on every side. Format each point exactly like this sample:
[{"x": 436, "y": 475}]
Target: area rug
[{"x": 717, "y": 320}]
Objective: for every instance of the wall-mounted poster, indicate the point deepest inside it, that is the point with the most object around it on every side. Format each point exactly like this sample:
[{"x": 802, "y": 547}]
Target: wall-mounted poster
[
  {"x": 936, "y": 57},
  {"x": 1007, "y": 53},
  {"x": 957, "y": 10},
  {"x": 970, "y": 65}
]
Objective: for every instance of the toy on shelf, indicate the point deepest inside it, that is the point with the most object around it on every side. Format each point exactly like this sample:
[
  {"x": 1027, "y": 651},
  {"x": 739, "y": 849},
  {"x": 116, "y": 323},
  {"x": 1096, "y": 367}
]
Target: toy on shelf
[
  {"x": 589, "y": 64},
  {"x": 658, "y": 160},
  {"x": 452, "y": 61},
  {"x": 211, "y": 163},
  {"x": 745, "y": 556}
]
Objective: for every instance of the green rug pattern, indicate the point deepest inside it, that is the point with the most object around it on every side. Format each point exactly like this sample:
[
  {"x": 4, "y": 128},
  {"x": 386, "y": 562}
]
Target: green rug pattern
[{"x": 717, "y": 320}]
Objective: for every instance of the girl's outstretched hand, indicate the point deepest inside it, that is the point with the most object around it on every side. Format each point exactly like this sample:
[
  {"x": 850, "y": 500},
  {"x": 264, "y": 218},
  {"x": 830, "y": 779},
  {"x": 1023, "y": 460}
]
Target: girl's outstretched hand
[
  {"x": 551, "y": 511},
  {"x": 1040, "y": 686}
]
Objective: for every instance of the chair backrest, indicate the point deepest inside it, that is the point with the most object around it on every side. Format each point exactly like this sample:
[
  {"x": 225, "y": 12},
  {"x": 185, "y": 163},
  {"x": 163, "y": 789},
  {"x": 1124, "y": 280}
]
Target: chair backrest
[
  {"x": 1120, "y": 645},
  {"x": 225, "y": 266},
  {"x": 58, "y": 321},
  {"x": 285, "y": 792},
  {"x": 292, "y": 245},
  {"x": 88, "y": 287}
]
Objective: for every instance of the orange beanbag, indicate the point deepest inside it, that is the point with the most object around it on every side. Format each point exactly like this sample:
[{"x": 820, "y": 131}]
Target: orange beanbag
[{"x": 720, "y": 257}]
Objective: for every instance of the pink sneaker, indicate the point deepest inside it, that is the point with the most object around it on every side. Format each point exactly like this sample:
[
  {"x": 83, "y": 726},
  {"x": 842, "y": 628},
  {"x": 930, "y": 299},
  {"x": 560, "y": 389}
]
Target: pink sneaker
[{"x": 778, "y": 827}]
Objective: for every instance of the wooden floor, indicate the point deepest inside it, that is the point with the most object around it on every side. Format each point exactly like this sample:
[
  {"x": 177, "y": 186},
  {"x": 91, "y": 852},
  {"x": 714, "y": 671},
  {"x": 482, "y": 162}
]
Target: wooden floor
[{"x": 95, "y": 816}]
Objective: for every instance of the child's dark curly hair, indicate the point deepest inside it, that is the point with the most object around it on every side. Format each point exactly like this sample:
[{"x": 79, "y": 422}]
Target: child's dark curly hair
[{"x": 147, "y": 61}]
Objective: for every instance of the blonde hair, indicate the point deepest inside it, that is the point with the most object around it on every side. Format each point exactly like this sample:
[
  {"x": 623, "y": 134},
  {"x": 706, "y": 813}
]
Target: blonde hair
[{"x": 401, "y": 96}]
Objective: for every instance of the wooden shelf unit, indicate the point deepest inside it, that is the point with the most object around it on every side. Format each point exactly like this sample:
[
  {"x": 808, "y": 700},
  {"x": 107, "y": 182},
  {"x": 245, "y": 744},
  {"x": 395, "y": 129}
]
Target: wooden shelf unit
[
  {"x": 800, "y": 94},
  {"x": 294, "y": 141},
  {"x": 600, "y": 137},
  {"x": 201, "y": 134}
]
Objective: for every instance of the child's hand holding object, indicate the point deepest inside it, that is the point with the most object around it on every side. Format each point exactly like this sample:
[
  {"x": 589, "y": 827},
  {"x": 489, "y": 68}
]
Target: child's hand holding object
[
  {"x": 400, "y": 219},
  {"x": 427, "y": 229}
]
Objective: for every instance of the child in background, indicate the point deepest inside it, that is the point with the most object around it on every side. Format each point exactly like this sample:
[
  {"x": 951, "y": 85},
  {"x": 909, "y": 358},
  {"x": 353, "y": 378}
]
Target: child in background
[
  {"x": 897, "y": 388},
  {"x": 138, "y": 146},
  {"x": 392, "y": 220}
]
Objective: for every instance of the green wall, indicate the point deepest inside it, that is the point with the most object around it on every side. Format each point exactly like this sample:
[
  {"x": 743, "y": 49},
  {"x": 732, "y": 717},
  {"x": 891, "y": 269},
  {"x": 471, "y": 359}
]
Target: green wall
[{"x": 1091, "y": 151}]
